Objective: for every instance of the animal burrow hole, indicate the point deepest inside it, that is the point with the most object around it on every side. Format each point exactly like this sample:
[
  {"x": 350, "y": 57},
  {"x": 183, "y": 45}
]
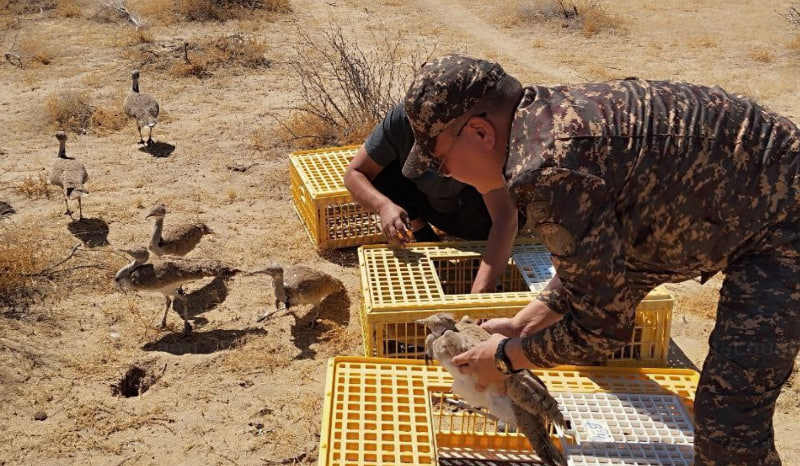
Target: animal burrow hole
[{"x": 137, "y": 380}]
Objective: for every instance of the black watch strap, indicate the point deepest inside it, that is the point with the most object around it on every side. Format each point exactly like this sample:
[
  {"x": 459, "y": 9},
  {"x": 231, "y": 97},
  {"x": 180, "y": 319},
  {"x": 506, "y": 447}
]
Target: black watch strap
[{"x": 501, "y": 360}]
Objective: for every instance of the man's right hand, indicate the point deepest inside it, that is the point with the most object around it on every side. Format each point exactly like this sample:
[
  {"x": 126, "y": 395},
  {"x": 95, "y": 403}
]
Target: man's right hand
[{"x": 395, "y": 224}]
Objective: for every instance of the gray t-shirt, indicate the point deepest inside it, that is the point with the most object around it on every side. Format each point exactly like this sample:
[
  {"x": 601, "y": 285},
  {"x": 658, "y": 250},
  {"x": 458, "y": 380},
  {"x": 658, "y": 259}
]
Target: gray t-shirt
[{"x": 392, "y": 141}]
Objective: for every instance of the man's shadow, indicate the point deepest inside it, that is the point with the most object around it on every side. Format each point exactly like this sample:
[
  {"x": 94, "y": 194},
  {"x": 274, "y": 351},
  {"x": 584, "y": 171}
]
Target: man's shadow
[
  {"x": 334, "y": 308},
  {"x": 158, "y": 149},
  {"x": 92, "y": 232}
]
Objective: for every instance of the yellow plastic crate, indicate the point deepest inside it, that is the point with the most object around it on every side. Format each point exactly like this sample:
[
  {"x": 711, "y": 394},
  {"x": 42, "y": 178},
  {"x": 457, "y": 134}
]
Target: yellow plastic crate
[
  {"x": 329, "y": 214},
  {"x": 399, "y": 286},
  {"x": 389, "y": 411}
]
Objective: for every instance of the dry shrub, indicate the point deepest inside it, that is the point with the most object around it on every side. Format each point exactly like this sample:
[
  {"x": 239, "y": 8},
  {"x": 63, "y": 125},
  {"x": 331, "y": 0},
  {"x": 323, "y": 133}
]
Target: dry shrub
[
  {"x": 34, "y": 187},
  {"x": 202, "y": 59},
  {"x": 589, "y": 16},
  {"x": 108, "y": 118},
  {"x": 346, "y": 88},
  {"x": 22, "y": 257},
  {"x": 792, "y": 14},
  {"x": 221, "y": 10},
  {"x": 70, "y": 110}
]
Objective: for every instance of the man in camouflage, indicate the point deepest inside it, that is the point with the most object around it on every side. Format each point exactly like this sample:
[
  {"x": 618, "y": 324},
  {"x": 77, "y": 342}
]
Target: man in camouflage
[{"x": 630, "y": 184}]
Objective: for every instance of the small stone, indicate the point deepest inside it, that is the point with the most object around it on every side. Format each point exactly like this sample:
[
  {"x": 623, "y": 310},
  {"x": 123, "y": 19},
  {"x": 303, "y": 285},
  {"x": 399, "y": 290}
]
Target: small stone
[{"x": 40, "y": 416}]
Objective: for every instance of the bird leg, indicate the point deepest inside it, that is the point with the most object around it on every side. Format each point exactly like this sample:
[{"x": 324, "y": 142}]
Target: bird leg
[
  {"x": 80, "y": 208},
  {"x": 315, "y": 312},
  {"x": 66, "y": 203},
  {"x": 279, "y": 306},
  {"x": 166, "y": 310},
  {"x": 141, "y": 138},
  {"x": 150, "y": 136},
  {"x": 187, "y": 327}
]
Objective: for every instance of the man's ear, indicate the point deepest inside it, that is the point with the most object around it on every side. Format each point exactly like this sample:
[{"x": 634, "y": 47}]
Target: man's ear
[{"x": 485, "y": 131}]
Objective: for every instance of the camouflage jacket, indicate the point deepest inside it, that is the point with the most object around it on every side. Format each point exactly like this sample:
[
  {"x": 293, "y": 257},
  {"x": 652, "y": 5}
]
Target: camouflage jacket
[{"x": 634, "y": 179}]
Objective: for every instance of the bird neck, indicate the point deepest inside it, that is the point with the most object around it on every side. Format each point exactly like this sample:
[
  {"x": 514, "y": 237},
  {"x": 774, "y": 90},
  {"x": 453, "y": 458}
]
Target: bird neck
[
  {"x": 62, "y": 150},
  {"x": 280, "y": 290},
  {"x": 135, "y": 86},
  {"x": 126, "y": 271},
  {"x": 158, "y": 227}
]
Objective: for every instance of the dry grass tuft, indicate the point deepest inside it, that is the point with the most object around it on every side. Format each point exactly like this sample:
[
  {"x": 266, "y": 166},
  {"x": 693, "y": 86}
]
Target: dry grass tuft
[
  {"x": 69, "y": 110},
  {"x": 346, "y": 87},
  {"x": 305, "y": 130},
  {"x": 133, "y": 36},
  {"x": 794, "y": 44},
  {"x": 68, "y": 9},
  {"x": 254, "y": 354},
  {"x": 22, "y": 257},
  {"x": 22, "y": 7},
  {"x": 589, "y": 16},
  {"x": 36, "y": 51},
  {"x": 34, "y": 187},
  {"x": 260, "y": 139},
  {"x": 108, "y": 118},
  {"x": 762, "y": 55},
  {"x": 338, "y": 339}
]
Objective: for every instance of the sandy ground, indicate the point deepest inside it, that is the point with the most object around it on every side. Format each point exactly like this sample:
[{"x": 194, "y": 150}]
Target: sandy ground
[{"x": 236, "y": 391}]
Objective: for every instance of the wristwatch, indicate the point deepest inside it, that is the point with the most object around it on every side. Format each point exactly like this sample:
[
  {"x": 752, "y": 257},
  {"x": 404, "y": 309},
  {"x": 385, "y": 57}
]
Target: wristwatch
[{"x": 501, "y": 361}]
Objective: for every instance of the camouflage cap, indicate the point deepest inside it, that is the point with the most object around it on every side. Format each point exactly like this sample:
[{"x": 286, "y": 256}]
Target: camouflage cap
[{"x": 443, "y": 90}]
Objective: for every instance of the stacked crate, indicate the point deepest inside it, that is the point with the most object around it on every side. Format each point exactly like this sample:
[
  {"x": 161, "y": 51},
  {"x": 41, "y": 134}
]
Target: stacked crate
[
  {"x": 400, "y": 286},
  {"x": 391, "y": 411},
  {"x": 329, "y": 214}
]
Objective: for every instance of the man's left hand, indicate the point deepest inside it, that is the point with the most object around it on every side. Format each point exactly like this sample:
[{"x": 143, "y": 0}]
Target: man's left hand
[{"x": 479, "y": 360}]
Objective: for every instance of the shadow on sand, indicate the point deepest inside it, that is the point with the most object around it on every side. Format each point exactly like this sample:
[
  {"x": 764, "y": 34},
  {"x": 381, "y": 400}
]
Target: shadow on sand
[
  {"x": 92, "y": 232},
  {"x": 158, "y": 149},
  {"x": 201, "y": 342}
]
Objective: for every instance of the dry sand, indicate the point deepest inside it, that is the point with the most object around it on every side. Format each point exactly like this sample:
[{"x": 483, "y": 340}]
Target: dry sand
[{"x": 238, "y": 392}]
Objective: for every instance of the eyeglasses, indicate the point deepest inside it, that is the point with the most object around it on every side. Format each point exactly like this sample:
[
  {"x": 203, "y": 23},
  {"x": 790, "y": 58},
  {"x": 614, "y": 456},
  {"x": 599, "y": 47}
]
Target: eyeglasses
[{"x": 438, "y": 164}]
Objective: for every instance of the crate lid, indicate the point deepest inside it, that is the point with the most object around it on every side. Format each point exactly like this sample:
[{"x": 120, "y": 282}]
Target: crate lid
[{"x": 322, "y": 170}]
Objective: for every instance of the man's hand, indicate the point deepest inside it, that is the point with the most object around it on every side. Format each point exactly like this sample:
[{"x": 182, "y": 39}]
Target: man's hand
[
  {"x": 395, "y": 224},
  {"x": 534, "y": 317},
  {"x": 479, "y": 360}
]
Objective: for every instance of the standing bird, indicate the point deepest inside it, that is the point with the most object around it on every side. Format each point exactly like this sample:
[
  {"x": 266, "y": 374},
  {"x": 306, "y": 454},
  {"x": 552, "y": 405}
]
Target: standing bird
[
  {"x": 69, "y": 174},
  {"x": 178, "y": 240},
  {"x": 298, "y": 284},
  {"x": 166, "y": 276},
  {"x": 527, "y": 403},
  {"x": 141, "y": 107}
]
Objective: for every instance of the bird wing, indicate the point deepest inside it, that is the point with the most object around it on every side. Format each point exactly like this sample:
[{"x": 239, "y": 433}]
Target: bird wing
[
  {"x": 180, "y": 239},
  {"x": 535, "y": 429}
]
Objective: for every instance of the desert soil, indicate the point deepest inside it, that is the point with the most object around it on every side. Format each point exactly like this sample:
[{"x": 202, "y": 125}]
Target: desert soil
[{"x": 237, "y": 391}]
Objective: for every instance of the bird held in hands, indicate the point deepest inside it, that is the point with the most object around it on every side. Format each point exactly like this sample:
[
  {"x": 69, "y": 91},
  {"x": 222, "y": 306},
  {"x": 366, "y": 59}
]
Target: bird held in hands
[{"x": 526, "y": 403}]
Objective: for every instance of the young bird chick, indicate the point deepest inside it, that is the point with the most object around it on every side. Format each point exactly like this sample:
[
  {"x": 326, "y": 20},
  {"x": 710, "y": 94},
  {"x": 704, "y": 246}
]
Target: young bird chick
[
  {"x": 69, "y": 174},
  {"x": 527, "y": 403},
  {"x": 166, "y": 276},
  {"x": 298, "y": 284}
]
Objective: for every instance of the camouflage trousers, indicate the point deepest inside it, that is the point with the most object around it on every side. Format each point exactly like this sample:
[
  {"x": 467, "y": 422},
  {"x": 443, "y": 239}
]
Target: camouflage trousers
[{"x": 752, "y": 351}]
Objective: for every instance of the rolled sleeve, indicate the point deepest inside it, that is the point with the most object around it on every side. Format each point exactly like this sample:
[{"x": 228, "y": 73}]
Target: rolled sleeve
[{"x": 577, "y": 222}]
